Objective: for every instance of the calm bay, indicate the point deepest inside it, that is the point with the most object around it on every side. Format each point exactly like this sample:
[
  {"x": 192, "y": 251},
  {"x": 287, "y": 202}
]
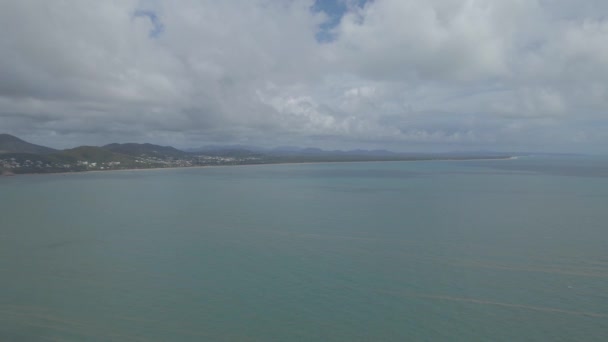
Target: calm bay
[{"x": 498, "y": 250}]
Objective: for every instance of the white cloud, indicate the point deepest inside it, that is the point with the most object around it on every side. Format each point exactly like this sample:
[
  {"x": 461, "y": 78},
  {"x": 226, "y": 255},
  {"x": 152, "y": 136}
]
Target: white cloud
[{"x": 440, "y": 74}]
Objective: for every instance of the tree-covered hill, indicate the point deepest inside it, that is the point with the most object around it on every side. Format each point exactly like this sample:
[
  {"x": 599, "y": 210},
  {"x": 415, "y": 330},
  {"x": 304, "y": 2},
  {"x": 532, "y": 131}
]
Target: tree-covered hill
[
  {"x": 12, "y": 144},
  {"x": 145, "y": 150}
]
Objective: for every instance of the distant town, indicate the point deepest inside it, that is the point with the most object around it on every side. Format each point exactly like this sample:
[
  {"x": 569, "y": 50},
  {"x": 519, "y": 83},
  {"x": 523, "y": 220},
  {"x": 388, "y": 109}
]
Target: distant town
[
  {"x": 22, "y": 165},
  {"x": 20, "y": 157}
]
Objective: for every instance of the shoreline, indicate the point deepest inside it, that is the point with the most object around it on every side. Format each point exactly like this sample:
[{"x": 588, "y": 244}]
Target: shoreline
[{"x": 10, "y": 174}]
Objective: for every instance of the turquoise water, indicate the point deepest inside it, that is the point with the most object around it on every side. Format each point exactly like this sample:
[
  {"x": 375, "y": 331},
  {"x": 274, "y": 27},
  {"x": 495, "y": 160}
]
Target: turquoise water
[{"x": 507, "y": 250}]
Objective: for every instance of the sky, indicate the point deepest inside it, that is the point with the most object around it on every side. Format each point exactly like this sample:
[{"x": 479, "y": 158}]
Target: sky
[{"x": 403, "y": 75}]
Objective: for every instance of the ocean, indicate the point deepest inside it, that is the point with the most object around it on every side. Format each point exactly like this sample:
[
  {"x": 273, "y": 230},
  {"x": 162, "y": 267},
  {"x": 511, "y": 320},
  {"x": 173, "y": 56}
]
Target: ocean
[{"x": 496, "y": 250}]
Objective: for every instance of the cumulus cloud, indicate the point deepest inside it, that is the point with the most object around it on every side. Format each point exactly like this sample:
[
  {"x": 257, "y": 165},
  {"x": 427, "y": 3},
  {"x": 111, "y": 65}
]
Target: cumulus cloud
[{"x": 399, "y": 74}]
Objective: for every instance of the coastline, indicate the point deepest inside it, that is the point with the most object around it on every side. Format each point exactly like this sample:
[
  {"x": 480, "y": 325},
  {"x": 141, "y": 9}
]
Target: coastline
[{"x": 11, "y": 174}]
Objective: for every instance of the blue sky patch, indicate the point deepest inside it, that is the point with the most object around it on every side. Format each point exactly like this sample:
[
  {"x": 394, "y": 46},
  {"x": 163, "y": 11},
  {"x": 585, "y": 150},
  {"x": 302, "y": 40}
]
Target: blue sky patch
[
  {"x": 334, "y": 9},
  {"x": 157, "y": 26}
]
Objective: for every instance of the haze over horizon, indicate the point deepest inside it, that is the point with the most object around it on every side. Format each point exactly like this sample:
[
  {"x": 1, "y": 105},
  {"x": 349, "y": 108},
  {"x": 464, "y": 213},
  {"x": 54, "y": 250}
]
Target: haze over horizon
[{"x": 402, "y": 75}]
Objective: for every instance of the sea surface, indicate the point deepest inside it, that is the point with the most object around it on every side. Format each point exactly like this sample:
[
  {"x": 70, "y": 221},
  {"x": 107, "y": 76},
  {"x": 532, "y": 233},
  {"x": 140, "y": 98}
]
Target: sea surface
[{"x": 497, "y": 250}]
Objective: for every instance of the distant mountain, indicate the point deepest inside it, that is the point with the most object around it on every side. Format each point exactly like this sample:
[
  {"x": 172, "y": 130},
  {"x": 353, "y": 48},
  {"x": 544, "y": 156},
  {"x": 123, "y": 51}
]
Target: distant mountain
[
  {"x": 18, "y": 156},
  {"x": 12, "y": 144},
  {"x": 314, "y": 151},
  {"x": 214, "y": 149},
  {"x": 309, "y": 153},
  {"x": 286, "y": 151},
  {"x": 234, "y": 152},
  {"x": 149, "y": 150}
]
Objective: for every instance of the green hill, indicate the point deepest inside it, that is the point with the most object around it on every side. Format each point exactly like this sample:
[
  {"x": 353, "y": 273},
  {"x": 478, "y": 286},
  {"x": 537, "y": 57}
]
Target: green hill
[
  {"x": 93, "y": 154},
  {"x": 18, "y": 156},
  {"x": 145, "y": 150},
  {"x": 12, "y": 144}
]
